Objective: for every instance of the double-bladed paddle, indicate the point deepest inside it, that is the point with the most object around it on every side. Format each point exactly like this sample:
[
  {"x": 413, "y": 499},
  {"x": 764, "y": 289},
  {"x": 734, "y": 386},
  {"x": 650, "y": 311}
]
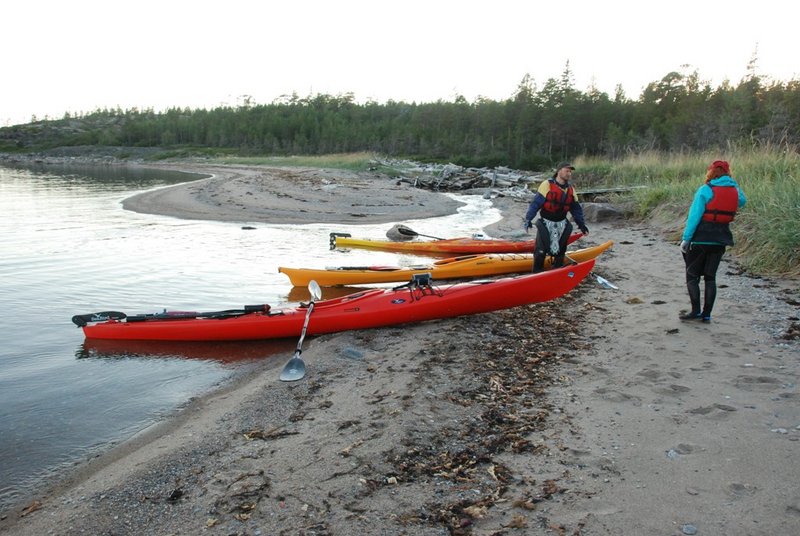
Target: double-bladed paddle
[
  {"x": 295, "y": 368},
  {"x": 403, "y": 230}
]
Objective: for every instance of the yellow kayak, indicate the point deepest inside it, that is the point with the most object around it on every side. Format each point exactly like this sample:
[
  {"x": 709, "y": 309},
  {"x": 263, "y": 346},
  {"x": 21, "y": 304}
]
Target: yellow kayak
[
  {"x": 441, "y": 246},
  {"x": 452, "y": 268}
]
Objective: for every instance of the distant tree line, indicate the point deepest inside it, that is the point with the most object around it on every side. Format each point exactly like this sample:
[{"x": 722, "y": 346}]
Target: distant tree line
[{"x": 531, "y": 129}]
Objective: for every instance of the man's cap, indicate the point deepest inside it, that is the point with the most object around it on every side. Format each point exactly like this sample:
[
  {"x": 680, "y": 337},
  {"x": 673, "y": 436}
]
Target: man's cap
[
  {"x": 721, "y": 164},
  {"x": 564, "y": 165}
]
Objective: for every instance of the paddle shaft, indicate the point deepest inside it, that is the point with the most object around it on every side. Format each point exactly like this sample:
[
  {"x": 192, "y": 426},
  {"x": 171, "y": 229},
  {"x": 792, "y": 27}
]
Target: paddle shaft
[
  {"x": 295, "y": 368},
  {"x": 410, "y": 232},
  {"x": 299, "y": 349}
]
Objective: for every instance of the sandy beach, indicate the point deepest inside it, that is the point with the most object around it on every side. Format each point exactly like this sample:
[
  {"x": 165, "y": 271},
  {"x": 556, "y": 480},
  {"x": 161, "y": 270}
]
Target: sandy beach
[
  {"x": 599, "y": 413},
  {"x": 291, "y": 195}
]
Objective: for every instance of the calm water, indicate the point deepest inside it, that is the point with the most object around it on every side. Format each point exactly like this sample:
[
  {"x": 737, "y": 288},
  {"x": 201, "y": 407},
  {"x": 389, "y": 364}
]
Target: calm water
[{"x": 68, "y": 247}]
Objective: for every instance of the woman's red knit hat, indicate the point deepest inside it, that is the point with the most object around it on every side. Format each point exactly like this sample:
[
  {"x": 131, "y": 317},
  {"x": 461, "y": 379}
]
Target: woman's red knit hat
[{"x": 721, "y": 164}]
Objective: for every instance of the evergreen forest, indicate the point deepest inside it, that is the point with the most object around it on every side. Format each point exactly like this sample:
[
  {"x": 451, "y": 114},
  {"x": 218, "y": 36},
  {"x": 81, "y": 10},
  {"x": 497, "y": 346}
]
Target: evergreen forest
[{"x": 533, "y": 128}]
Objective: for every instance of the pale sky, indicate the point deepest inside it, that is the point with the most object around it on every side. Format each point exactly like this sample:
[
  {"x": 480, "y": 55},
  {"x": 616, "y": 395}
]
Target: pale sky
[{"x": 77, "y": 56}]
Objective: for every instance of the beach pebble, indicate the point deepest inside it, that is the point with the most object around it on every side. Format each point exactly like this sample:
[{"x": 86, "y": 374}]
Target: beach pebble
[{"x": 689, "y": 529}]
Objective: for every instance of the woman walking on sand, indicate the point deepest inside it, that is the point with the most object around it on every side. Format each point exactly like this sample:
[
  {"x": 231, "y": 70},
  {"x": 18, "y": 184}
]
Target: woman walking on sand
[{"x": 707, "y": 234}]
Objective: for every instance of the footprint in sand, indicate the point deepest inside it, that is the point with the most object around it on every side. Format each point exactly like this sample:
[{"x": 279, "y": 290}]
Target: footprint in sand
[
  {"x": 714, "y": 411},
  {"x": 794, "y": 506},
  {"x": 757, "y": 383},
  {"x": 672, "y": 390},
  {"x": 650, "y": 374},
  {"x": 612, "y": 395},
  {"x": 735, "y": 490},
  {"x": 683, "y": 448},
  {"x": 600, "y": 370},
  {"x": 708, "y": 365}
]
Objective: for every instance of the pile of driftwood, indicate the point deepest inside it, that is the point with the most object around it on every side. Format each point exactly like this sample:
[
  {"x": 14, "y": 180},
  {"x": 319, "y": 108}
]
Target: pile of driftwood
[{"x": 490, "y": 182}]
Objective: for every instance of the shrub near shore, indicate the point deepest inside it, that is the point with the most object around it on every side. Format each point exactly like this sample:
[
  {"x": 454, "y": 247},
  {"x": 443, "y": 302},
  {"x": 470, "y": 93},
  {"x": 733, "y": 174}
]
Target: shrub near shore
[{"x": 767, "y": 228}]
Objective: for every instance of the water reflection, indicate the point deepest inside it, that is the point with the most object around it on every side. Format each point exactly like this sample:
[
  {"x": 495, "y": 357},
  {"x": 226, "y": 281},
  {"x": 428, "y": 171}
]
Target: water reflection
[
  {"x": 228, "y": 352},
  {"x": 105, "y": 177}
]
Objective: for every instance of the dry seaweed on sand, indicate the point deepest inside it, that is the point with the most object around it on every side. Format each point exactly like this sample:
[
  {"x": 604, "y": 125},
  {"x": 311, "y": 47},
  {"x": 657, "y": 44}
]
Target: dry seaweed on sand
[{"x": 512, "y": 361}]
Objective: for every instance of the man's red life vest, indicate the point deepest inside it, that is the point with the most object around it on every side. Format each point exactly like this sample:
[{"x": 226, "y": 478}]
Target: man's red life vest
[
  {"x": 557, "y": 202},
  {"x": 723, "y": 205}
]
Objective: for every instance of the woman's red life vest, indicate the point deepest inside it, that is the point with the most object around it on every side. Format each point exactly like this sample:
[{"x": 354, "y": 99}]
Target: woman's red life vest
[
  {"x": 723, "y": 205},
  {"x": 557, "y": 202}
]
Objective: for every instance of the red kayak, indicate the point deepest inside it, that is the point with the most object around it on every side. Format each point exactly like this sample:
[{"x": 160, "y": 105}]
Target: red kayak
[{"x": 416, "y": 301}]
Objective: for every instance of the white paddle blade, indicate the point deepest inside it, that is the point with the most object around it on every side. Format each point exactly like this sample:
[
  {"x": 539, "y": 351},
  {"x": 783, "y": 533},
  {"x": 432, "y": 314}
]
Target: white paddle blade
[
  {"x": 315, "y": 290},
  {"x": 606, "y": 283},
  {"x": 294, "y": 370}
]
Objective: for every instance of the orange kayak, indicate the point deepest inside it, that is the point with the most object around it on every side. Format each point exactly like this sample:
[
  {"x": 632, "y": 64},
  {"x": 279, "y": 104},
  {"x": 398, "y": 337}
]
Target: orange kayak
[{"x": 451, "y": 268}]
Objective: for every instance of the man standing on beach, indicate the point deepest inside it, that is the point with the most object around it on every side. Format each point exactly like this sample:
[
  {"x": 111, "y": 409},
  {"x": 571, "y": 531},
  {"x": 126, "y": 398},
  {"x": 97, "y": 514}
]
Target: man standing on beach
[
  {"x": 706, "y": 235},
  {"x": 554, "y": 199}
]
